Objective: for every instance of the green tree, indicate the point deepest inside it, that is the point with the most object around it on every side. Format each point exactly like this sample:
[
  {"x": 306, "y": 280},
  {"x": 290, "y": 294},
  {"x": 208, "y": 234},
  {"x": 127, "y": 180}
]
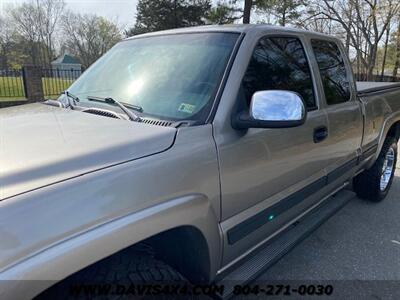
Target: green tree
[
  {"x": 37, "y": 22},
  {"x": 7, "y": 37},
  {"x": 285, "y": 11},
  {"x": 396, "y": 64},
  {"x": 15, "y": 49},
  {"x": 88, "y": 37},
  {"x": 154, "y": 15},
  {"x": 225, "y": 12}
]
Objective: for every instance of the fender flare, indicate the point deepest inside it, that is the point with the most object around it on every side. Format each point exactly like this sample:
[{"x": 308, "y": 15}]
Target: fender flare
[{"x": 387, "y": 124}]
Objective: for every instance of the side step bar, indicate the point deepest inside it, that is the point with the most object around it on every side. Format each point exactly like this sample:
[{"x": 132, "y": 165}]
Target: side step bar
[{"x": 273, "y": 250}]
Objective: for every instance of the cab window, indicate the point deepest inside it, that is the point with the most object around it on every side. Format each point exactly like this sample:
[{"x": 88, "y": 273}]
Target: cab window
[
  {"x": 333, "y": 71},
  {"x": 279, "y": 63}
]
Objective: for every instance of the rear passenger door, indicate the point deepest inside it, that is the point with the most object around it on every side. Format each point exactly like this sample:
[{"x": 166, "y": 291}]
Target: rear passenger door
[{"x": 342, "y": 108}]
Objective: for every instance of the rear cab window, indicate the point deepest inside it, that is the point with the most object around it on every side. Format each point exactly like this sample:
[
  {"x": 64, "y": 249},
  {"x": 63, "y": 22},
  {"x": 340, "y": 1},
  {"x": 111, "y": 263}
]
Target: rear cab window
[
  {"x": 332, "y": 69},
  {"x": 279, "y": 63}
]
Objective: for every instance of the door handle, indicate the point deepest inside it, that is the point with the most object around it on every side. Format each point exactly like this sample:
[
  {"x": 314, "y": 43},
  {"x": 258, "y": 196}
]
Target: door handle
[{"x": 320, "y": 133}]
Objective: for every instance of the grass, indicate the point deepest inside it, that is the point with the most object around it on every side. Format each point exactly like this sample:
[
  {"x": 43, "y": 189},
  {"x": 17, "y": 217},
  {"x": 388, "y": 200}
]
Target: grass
[
  {"x": 52, "y": 87},
  {"x": 11, "y": 99},
  {"x": 11, "y": 88}
]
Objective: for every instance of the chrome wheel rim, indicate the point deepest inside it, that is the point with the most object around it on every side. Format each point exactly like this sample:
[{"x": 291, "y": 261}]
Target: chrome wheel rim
[{"x": 387, "y": 169}]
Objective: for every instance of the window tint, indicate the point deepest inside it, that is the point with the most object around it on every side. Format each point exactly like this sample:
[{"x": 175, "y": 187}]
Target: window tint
[
  {"x": 333, "y": 71},
  {"x": 279, "y": 63}
]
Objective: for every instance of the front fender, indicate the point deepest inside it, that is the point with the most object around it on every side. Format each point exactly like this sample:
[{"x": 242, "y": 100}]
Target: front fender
[
  {"x": 52, "y": 232},
  {"x": 85, "y": 248}
]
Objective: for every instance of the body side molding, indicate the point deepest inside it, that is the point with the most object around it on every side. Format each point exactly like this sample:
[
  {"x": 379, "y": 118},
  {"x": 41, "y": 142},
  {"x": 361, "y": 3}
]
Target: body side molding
[{"x": 246, "y": 227}]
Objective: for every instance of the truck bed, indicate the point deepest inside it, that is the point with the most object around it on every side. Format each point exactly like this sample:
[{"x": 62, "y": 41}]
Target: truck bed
[{"x": 366, "y": 87}]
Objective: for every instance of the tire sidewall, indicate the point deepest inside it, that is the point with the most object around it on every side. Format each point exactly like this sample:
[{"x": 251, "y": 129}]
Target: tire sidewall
[{"x": 391, "y": 143}]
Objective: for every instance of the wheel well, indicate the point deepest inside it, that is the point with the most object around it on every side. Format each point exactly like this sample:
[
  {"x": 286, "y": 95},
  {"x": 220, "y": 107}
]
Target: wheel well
[
  {"x": 394, "y": 130},
  {"x": 183, "y": 248}
]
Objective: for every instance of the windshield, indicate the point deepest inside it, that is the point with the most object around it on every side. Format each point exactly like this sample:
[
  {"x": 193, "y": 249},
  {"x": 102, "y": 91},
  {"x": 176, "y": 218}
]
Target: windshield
[{"x": 170, "y": 76}]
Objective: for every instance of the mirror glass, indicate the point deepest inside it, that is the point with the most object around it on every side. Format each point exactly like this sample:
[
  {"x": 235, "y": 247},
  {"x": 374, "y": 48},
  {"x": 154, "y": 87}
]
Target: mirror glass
[{"x": 277, "y": 105}]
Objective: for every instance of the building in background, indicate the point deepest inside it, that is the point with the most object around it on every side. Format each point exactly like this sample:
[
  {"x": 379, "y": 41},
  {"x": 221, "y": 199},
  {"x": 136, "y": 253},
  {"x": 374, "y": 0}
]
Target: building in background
[{"x": 66, "y": 66}]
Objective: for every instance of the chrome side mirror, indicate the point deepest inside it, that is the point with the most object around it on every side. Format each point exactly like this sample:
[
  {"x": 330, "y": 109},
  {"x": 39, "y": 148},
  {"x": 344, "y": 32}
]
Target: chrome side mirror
[{"x": 273, "y": 109}]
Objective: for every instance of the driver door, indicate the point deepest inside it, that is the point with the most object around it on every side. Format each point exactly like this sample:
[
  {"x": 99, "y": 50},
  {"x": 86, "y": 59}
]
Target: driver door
[{"x": 270, "y": 175}]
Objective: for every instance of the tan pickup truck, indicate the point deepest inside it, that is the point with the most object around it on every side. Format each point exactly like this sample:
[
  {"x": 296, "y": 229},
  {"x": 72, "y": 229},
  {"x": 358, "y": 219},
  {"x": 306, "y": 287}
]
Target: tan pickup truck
[{"x": 200, "y": 154}]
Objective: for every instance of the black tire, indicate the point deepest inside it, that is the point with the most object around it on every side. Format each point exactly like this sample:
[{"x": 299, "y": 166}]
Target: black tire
[
  {"x": 367, "y": 184},
  {"x": 125, "y": 269}
]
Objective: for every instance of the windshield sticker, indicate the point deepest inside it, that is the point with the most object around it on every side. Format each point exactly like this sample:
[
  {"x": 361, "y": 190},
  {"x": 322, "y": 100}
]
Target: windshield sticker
[{"x": 187, "y": 108}]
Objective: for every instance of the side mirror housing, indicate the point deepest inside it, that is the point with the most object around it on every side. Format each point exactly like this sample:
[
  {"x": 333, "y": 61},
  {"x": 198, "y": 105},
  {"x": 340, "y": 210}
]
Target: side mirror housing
[{"x": 272, "y": 109}]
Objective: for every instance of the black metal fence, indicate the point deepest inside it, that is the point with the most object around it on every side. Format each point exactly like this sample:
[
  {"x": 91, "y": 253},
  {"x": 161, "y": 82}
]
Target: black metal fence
[
  {"x": 56, "y": 80},
  {"x": 11, "y": 84}
]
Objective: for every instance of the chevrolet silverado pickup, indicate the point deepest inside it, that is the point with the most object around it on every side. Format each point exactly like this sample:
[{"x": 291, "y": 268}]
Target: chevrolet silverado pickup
[{"x": 200, "y": 154}]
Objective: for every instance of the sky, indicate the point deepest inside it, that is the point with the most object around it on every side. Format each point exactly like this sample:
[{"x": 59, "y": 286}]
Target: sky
[{"x": 121, "y": 11}]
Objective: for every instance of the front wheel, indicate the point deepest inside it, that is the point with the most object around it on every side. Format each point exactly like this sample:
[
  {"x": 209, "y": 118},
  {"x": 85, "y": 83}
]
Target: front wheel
[
  {"x": 113, "y": 278},
  {"x": 374, "y": 184}
]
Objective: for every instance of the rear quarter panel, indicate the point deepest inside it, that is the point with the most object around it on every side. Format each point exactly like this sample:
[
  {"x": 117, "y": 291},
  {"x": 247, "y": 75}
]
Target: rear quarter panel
[{"x": 381, "y": 110}]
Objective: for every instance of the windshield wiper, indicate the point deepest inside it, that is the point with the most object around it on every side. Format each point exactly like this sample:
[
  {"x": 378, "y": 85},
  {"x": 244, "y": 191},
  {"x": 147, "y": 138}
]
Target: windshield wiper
[
  {"x": 124, "y": 107},
  {"x": 70, "y": 97}
]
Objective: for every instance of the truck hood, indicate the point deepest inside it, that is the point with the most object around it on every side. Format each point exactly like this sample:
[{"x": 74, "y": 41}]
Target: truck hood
[{"x": 41, "y": 145}]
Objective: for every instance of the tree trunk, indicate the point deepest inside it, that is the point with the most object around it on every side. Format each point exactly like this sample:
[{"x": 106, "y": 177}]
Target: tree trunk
[
  {"x": 372, "y": 61},
  {"x": 175, "y": 14},
  {"x": 397, "y": 62},
  {"x": 347, "y": 45},
  {"x": 385, "y": 52},
  {"x": 247, "y": 10},
  {"x": 283, "y": 22},
  {"x": 3, "y": 57}
]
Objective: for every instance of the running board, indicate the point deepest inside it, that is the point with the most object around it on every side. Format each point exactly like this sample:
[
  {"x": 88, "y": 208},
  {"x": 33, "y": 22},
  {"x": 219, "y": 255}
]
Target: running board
[{"x": 273, "y": 250}]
